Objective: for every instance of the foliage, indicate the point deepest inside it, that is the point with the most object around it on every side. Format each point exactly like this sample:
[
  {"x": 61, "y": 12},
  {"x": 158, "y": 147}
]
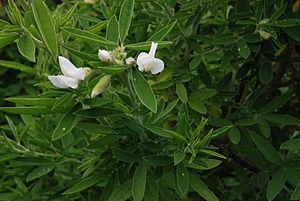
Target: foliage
[{"x": 220, "y": 122}]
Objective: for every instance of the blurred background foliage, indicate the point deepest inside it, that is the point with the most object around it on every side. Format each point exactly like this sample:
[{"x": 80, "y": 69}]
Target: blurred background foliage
[{"x": 226, "y": 125}]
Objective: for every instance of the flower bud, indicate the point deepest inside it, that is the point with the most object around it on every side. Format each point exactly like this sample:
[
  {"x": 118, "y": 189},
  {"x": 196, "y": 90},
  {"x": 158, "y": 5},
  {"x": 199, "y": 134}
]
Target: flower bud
[
  {"x": 130, "y": 61},
  {"x": 265, "y": 35},
  {"x": 104, "y": 56},
  {"x": 119, "y": 62},
  {"x": 87, "y": 71},
  {"x": 101, "y": 86},
  {"x": 90, "y": 1}
]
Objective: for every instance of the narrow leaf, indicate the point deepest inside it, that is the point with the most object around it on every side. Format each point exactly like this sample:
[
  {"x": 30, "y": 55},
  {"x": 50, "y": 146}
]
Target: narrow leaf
[
  {"x": 276, "y": 184},
  {"x": 182, "y": 178},
  {"x": 243, "y": 48},
  {"x": 139, "y": 183},
  {"x": 143, "y": 90},
  {"x": 89, "y": 37},
  {"x": 39, "y": 172},
  {"x": 201, "y": 188},
  {"x": 65, "y": 125},
  {"x": 125, "y": 18},
  {"x": 266, "y": 149},
  {"x": 27, "y": 48},
  {"x": 86, "y": 183},
  {"x": 123, "y": 192},
  {"x": 45, "y": 26}
]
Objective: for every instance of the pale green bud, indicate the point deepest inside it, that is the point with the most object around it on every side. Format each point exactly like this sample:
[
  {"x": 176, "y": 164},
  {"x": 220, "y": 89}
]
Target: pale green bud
[
  {"x": 101, "y": 86},
  {"x": 265, "y": 35},
  {"x": 87, "y": 71},
  {"x": 130, "y": 61}
]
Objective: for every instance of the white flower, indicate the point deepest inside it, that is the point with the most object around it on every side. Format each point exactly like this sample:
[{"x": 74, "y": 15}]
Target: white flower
[
  {"x": 130, "y": 61},
  {"x": 71, "y": 75},
  {"x": 104, "y": 56},
  {"x": 147, "y": 62}
]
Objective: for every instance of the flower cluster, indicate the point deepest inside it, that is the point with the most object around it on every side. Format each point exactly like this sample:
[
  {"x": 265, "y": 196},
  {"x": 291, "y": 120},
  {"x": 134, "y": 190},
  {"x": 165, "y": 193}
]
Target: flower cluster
[
  {"x": 72, "y": 75},
  {"x": 146, "y": 61}
]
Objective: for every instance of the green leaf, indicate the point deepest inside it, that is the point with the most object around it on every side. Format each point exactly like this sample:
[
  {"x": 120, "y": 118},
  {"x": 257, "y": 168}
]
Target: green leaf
[
  {"x": 158, "y": 160},
  {"x": 181, "y": 92},
  {"x": 166, "y": 111},
  {"x": 201, "y": 188},
  {"x": 212, "y": 153},
  {"x": 151, "y": 192},
  {"x": 87, "y": 182},
  {"x": 39, "y": 171},
  {"x": 296, "y": 193},
  {"x": 125, "y": 18},
  {"x": 225, "y": 40},
  {"x": 99, "y": 112},
  {"x": 112, "y": 70},
  {"x": 276, "y": 184},
  {"x": 95, "y": 128},
  {"x": 281, "y": 119},
  {"x": 291, "y": 144},
  {"x": 143, "y": 90},
  {"x": 165, "y": 132},
  {"x": 83, "y": 55},
  {"x": 182, "y": 178},
  {"x": 243, "y": 48},
  {"x": 293, "y": 32},
  {"x": 12, "y": 127},
  {"x": 246, "y": 122},
  {"x": 112, "y": 33},
  {"x": 265, "y": 72},
  {"x": 196, "y": 104},
  {"x": 70, "y": 13},
  {"x": 286, "y": 23},
  {"x": 219, "y": 131},
  {"x": 65, "y": 125},
  {"x": 146, "y": 45},
  {"x": 278, "y": 13},
  {"x": 89, "y": 37},
  {"x": 35, "y": 110},
  {"x": 276, "y": 103},
  {"x": 8, "y": 157},
  {"x": 123, "y": 192},
  {"x": 178, "y": 157},
  {"x": 27, "y": 48},
  {"x": 45, "y": 26},
  {"x": 234, "y": 135},
  {"x": 161, "y": 34},
  {"x": 266, "y": 149},
  {"x": 7, "y": 38},
  {"x": 111, "y": 185},
  {"x": 264, "y": 128},
  {"x": 32, "y": 101},
  {"x": 17, "y": 66},
  {"x": 125, "y": 156},
  {"x": 139, "y": 182},
  {"x": 98, "y": 102},
  {"x": 206, "y": 164}
]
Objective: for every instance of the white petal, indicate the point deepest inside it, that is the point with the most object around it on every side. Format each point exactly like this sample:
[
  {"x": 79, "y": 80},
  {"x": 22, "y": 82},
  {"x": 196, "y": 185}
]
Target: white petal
[
  {"x": 56, "y": 81},
  {"x": 69, "y": 81},
  {"x": 153, "y": 49},
  {"x": 68, "y": 69},
  {"x": 158, "y": 66},
  {"x": 139, "y": 60},
  {"x": 130, "y": 61},
  {"x": 104, "y": 56}
]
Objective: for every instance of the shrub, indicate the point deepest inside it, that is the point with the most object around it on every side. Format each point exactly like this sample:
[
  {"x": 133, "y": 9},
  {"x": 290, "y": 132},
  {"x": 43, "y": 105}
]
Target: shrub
[{"x": 93, "y": 111}]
